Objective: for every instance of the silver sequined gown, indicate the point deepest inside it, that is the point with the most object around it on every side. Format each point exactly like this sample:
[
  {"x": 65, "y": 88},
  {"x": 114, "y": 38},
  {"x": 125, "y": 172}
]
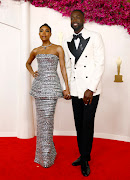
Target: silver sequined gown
[{"x": 46, "y": 89}]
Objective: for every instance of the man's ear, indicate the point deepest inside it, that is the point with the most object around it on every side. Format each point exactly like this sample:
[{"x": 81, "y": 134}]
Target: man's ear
[{"x": 84, "y": 20}]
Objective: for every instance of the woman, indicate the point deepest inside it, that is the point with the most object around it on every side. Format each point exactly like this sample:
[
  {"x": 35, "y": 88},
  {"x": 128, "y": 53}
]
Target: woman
[{"x": 46, "y": 89}]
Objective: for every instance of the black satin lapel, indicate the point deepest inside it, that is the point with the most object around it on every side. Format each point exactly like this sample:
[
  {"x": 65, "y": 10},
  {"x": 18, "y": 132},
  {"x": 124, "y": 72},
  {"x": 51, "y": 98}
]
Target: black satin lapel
[
  {"x": 71, "y": 47},
  {"x": 82, "y": 45}
]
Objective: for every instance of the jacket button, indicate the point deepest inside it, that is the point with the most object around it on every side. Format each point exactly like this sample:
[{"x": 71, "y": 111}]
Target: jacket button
[
  {"x": 75, "y": 67},
  {"x": 85, "y": 56},
  {"x": 86, "y": 76},
  {"x": 84, "y": 66},
  {"x": 74, "y": 77},
  {"x": 70, "y": 58}
]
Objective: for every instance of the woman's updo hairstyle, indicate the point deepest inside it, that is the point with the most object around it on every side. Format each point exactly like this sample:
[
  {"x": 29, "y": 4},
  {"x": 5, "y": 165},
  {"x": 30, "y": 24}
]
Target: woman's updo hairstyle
[{"x": 46, "y": 25}]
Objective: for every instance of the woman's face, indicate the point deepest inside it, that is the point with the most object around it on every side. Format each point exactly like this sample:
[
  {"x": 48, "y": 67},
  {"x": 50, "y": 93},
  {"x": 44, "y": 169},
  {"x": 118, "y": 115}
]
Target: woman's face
[{"x": 44, "y": 33}]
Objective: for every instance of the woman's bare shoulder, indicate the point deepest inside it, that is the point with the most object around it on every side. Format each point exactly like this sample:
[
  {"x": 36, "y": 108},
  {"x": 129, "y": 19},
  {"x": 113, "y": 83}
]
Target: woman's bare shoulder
[
  {"x": 58, "y": 47},
  {"x": 35, "y": 50}
]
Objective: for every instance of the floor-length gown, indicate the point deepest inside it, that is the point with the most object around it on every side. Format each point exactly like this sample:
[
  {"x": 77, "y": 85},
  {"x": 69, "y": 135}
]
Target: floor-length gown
[{"x": 46, "y": 89}]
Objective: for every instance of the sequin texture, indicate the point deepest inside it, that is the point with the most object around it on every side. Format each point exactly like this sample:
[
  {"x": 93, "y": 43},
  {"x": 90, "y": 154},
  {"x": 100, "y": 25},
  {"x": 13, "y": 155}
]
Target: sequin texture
[
  {"x": 46, "y": 89},
  {"x": 47, "y": 84}
]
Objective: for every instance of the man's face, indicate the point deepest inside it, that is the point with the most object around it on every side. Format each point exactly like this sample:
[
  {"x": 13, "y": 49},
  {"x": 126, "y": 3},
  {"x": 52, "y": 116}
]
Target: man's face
[{"x": 77, "y": 21}]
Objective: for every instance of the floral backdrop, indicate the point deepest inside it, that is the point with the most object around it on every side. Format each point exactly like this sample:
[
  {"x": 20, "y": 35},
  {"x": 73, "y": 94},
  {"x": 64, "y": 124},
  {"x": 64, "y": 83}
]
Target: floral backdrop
[{"x": 109, "y": 12}]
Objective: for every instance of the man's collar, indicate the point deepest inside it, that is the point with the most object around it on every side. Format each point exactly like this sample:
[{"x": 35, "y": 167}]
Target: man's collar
[{"x": 82, "y": 31}]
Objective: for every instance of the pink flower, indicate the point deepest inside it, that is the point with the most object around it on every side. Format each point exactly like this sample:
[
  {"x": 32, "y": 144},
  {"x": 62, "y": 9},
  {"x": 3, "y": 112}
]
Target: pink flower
[{"x": 109, "y": 12}]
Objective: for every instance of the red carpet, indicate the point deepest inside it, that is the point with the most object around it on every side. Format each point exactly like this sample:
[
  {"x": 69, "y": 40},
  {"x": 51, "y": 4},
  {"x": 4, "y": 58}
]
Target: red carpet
[{"x": 110, "y": 160}]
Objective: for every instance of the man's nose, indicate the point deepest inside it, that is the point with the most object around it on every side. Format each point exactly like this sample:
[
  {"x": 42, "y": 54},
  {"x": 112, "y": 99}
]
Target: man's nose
[{"x": 74, "y": 20}]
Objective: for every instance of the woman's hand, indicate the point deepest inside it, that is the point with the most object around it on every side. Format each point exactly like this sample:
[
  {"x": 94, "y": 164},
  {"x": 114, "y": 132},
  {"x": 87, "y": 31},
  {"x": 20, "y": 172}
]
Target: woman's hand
[
  {"x": 35, "y": 74},
  {"x": 66, "y": 94}
]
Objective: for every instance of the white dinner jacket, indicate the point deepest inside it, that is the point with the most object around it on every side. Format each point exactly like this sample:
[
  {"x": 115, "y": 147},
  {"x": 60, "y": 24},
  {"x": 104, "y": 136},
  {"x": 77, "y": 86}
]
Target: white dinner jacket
[{"x": 86, "y": 73}]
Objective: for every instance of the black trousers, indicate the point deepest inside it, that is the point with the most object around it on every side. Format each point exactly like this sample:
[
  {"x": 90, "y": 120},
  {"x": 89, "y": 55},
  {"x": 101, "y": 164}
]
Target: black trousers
[{"x": 84, "y": 122}]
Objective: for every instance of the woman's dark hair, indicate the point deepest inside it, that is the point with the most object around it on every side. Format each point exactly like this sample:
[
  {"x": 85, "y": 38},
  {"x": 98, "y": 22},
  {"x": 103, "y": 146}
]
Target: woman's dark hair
[
  {"x": 45, "y": 25},
  {"x": 78, "y": 11}
]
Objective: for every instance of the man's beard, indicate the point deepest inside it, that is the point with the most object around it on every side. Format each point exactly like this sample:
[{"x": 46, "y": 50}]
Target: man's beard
[{"x": 80, "y": 26}]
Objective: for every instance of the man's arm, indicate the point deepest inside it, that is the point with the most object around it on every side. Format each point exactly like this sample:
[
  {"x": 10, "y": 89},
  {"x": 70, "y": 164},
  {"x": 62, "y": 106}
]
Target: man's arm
[
  {"x": 99, "y": 63},
  {"x": 98, "y": 70}
]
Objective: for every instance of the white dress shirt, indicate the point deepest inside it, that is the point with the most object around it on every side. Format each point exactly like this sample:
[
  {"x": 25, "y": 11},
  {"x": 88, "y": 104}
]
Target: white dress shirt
[{"x": 77, "y": 41}]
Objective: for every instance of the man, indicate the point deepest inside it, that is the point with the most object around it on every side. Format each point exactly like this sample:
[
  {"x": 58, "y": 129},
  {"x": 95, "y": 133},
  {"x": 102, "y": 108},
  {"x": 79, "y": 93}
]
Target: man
[{"x": 84, "y": 54}]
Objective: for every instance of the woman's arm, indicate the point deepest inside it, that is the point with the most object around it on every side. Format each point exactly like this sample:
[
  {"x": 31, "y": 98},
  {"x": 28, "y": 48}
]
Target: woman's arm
[
  {"x": 29, "y": 61},
  {"x": 63, "y": 70}
]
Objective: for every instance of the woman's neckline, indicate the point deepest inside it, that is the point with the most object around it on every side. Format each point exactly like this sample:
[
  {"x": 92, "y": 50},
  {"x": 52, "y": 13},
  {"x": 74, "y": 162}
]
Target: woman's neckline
[{"x": 48, "y": 54}]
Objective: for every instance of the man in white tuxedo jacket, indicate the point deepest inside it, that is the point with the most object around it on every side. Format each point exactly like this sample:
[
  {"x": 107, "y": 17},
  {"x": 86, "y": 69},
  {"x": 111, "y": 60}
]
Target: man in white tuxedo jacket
[{"x": 84, "y": 57}]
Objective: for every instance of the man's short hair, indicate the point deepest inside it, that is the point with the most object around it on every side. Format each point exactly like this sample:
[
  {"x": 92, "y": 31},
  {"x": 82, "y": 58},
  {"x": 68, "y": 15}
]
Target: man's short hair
[{"x": 78, "y": 11}]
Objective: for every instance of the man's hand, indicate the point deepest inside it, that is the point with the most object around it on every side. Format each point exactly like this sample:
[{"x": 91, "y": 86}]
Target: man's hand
[
  {"x": 88, "y": 96},
  {"x": 66, "y": 94}
]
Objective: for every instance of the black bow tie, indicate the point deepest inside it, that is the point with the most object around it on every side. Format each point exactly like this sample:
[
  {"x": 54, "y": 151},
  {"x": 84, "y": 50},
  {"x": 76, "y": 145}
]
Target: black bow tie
[{"x": 77, "y": 36}]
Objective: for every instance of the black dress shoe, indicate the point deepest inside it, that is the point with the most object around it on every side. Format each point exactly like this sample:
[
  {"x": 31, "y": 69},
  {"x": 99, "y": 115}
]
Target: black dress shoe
[
  {"x": 85, "y": 169},
  {"x": 77, "y": 162}
]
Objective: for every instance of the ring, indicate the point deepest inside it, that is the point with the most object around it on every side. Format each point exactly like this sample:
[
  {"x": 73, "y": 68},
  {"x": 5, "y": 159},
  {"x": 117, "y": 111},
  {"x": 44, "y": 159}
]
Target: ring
[{"x": 87, "y": 100}]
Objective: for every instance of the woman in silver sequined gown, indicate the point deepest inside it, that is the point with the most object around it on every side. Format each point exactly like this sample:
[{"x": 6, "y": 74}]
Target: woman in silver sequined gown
[{"x": 46, "y": 89}]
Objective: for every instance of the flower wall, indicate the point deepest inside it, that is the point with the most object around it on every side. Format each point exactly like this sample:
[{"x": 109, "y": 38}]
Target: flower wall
[{"x": 109, "y": 12}]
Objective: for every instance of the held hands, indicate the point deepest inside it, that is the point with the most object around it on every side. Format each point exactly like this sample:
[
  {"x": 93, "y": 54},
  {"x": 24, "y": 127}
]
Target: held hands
[
  {"x": 35, "y": 74},
  {"x": 66, "y": 94},
  {"x": 88, "y": 96}
]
